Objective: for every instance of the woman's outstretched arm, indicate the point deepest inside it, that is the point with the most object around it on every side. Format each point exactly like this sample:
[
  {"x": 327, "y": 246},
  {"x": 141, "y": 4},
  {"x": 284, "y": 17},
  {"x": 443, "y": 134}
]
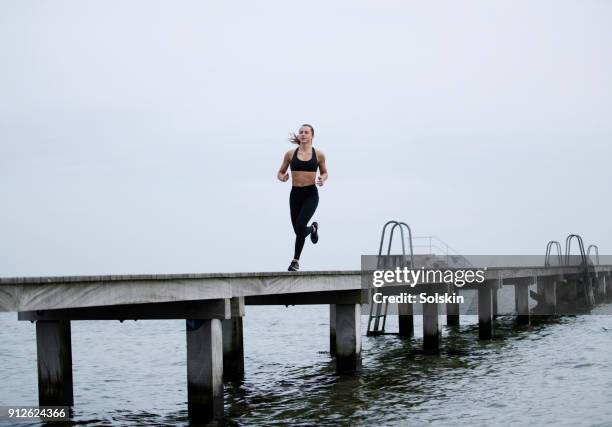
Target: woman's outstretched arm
[
  {"x": 322, "y": 169},
  {"x": 282, "y": 174}
]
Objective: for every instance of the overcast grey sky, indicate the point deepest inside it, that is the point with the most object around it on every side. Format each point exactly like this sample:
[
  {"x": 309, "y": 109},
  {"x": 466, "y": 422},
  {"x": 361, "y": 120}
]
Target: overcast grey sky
[{"x": 145, "y": 136}]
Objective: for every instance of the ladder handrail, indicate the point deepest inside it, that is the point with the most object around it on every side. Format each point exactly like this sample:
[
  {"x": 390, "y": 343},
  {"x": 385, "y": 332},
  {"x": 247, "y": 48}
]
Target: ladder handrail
[
  {"x": 376, "y": 316},
  {"x": 548, "y": 251},
  {"x": 382, "y": 235},
  {"x": 568, "y": 245},
  {"x": 401, "y": 225},
  {"x": 391, "y": 239},
  {"x": 596, "y": 252}
]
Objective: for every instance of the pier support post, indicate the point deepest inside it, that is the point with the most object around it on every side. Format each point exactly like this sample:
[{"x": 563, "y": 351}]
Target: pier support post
[
  {"x": 452, "y": 309},
  {"x": 431, "y": 329},
  {"x": 233, "y": 346},
  {"x": 601, "y": 286},
  {"x": 348, "y": 337},
  {"x": 549, "y": 290},
  {"x": 405, "y": 319},
  {"x": 590, "y": 289},
  {"x": 521, "y": 292},
  {"x": 485, "y": 311},
  {"x": 332, "y": 330},
  {"x": 595, "y": 290},
  {"x": 573, "y": 289},
  {"x": 204, "y": 369},
  {"x": 570, "y": 294},
  {"x": 494, "y": 299},
  {"x": 54, "y": 356}
]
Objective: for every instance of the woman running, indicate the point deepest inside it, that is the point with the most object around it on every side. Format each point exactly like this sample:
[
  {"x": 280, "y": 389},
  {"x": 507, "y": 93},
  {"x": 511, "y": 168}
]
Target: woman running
[{"x": 304, "y": 196}]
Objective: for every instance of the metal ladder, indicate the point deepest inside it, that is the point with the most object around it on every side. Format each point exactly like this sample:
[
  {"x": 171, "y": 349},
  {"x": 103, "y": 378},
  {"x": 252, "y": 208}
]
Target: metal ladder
[
  {"x": 587, "y": 280},
  {"x": 549, "y": 246},
  {"x": 568, "y": 246},
  {"x": 378, "y": 311},
  {"x": 596, "y": 253}
]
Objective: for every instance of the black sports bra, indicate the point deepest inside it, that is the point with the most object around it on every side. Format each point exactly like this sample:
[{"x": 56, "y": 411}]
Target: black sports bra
[{"x": 306, "y": 166}]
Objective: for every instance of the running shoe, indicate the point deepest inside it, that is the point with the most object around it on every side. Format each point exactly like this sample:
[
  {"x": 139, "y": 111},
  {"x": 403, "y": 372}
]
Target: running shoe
[
  {"x": 295, "y": 266},
  {"x": 314, "y": 235}
]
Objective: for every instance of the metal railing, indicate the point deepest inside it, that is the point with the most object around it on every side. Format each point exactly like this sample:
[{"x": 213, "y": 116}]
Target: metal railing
[
  {"x": 596, "y": 253},
  {"x": 568, "y": 246},
  {"x": 378, "y": 311},
  {"x": 401, "y": 225},
  {"x": 549, "y": 246}
]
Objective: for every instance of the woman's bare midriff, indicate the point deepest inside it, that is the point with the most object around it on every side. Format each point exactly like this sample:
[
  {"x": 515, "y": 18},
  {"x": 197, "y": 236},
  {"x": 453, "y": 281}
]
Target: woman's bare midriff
[{"x": 303, "y": 178}]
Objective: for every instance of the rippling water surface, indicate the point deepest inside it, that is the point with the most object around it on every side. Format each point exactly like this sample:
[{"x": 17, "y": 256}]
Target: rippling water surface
[{"x": 134, "y": 373}]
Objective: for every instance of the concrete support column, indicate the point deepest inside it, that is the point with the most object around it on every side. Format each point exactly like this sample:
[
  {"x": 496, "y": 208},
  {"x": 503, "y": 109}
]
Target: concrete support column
[
  {"x": 590, "y": 290},
  {"x": 570, "y": 293},
  {"x": 332, "y": 329},
  {"x": 494, "y": 299},
  {"x": 594, "y": 279},
  {"x": 601, "y": 287},
  {"x": 452, "y": 309},
  {"x": 431, "y": 329},
  {"x": 550, "y": 294},
  {"x": 521, "y": 292},
  {"x": 54, "y": 356},
  {"x": 204, "y": 369},
  {"x": 572, "y": 283},
  {"x": 540, "y": 296},
  {"x": 348, "y": 337},
  {"x": 233, "y": 346},
  {"x": 406, "y": 319},
  {"x": 485, "y": 311}
]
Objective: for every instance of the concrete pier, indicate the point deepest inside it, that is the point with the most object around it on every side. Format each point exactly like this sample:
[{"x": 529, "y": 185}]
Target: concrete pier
[
  {"x": 452, "y": 309},
  {"x": 590, "y": 290},
  {"x": 348, "y": 337},
  {"x": 494, "y": 297},
  {"x": 547, "y": 288},
  {"x": 601, "y": 287},
  {"x": 485, "y": 311},
  {"x": 431, "y": 328},
  {"x": 521, "y": 292},
  {"x": 54, "y": 358},
  {"x": 405, "y": 313},
  {"x": 570, "y": 287},
  {"x": 204, "y": 369},
  {"x": 233, "y": 346},
  {"x": 53, "y": 302},
  {"x": 332, "y": 329}
]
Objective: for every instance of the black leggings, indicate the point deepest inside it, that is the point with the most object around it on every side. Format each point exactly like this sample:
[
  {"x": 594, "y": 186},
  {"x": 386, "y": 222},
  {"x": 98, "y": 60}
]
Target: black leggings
[{"x": 303, "y": 202}]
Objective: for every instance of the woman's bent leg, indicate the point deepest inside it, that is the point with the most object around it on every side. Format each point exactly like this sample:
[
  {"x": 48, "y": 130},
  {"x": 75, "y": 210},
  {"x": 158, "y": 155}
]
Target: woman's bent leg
[
  {"x": 295, "y": 205},
  {"x": 302, "y": 230}
]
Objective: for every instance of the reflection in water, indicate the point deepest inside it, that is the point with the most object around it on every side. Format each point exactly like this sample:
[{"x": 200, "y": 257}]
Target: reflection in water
[{"x": 134, "y": 373}]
